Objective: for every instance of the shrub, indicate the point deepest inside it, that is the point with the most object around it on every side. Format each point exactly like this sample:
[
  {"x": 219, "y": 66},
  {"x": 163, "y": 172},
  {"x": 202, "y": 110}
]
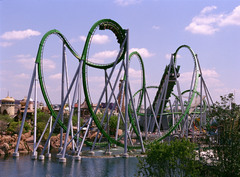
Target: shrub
[
  {"x": 112, "y": 123},
  {"x": 176, "y": 158},
  {"x": 5, "y": 121},
  {"x": 14, "y": 127},
  {"x": 226, "y": 150},
  {"x": 40, "y": 129}
]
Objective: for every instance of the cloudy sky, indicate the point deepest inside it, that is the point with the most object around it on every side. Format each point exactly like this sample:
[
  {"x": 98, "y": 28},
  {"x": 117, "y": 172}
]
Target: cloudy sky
[{"x": 156, "y": 29}]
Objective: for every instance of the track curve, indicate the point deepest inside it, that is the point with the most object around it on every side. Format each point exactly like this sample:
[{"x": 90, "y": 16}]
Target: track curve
[{"x": 120, "y": 35}]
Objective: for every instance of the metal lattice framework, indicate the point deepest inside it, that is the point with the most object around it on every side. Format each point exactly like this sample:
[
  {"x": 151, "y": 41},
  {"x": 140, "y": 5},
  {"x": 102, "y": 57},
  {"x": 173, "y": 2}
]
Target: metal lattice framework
[{"x": 178, "y": 115}]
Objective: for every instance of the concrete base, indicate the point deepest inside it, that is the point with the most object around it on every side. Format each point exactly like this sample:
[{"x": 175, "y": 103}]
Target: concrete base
[
  {"x": 62, "y": 160},
  {"x": 59, "y": 155},
  {"x": 34, "y": 156},
  {"x": 91, "y": 152},
  {"x": 108, "y": 153},
  {"x": 41, "y": 157},
  {"x": 125, "y": 155},
  {"x": 77, "y": 158},
  {"x": 48, "y": 155},
  {"x": 16, "y": 154}
]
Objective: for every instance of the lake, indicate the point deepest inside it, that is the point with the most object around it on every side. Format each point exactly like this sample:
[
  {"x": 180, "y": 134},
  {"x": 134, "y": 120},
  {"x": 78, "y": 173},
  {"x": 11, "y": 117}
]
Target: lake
[{"x": 89, "y": 166}]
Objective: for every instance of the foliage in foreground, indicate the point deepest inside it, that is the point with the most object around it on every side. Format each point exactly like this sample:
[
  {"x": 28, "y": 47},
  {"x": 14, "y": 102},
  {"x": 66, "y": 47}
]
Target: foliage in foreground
[
  {"x": 175, "y": 158},
  {"x": 225, "y": 160}
]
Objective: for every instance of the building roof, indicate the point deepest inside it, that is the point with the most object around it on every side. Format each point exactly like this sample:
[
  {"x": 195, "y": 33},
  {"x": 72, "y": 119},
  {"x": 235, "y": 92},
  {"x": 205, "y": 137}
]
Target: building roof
[
  {"x": 8, "y": 99},
  {"x": 24, "y": 100}
]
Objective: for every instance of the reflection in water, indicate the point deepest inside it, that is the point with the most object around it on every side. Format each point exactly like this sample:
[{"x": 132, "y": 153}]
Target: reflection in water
[
  {"x": 125, "y": 167},
  {"x": 34, "y": 168},
  {"x": 24, "y": 166}
]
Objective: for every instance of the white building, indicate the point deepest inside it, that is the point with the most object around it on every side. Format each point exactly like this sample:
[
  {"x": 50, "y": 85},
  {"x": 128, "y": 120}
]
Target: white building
[{"x": 8, "y": 106}]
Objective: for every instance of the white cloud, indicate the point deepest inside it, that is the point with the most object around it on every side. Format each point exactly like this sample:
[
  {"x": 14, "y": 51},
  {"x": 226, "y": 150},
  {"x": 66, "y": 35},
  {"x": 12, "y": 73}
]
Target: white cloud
[
  {"x": 56, "y": 76},
  {"x": 210, "y": 76},
  {"x": 143, "y": 52},
  {"x": 196, "y": 28},
  {"x": 11, "y": 35},
  {"x": 135, "y": 73},
  {"x": 23, "y": 56},
  {"x": 55, "y": 56},
  {"x": 210, "y": 73},
  {"x": 97, "y": 39},
  {"x": 204, "y": 24},
  {"x": 82, "y": 38},
  {"x": 112, "y": 54},
  {"x": 155, "y": 27},
  {"x": 6, "y": 44},
  {"x": 208, "y": 24},
  {"x": 213, "y": 82},
  {"x": 101, "y": 56},
  {"x": 127, "y": 2},
  {"x": 22, "y": 76},
  {"x": 185, "y": 77},
  {"x": 168, "y": 56},
  {"x": 28, "y": 62},
  {"x": 231, "y": 19},
  {"x": 106, "y": 54},
  {"x": 208, "y": 9},
  {"x": 95, "y": 60},
  {"x": 73, "y": 40},
  {"x": 49, "y": 64}
]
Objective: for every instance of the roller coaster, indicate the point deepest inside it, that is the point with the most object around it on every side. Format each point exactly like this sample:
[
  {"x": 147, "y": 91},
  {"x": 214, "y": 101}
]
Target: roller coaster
[{"x": 172, "y": 113}]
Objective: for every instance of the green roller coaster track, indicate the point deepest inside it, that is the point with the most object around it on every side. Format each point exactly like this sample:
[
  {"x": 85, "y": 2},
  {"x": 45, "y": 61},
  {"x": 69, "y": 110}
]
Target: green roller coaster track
[{"x": 120, "y": 35}]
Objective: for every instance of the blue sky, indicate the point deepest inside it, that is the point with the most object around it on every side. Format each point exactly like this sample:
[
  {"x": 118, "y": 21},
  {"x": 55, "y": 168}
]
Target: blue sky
[{"x": 156, "y": 29}]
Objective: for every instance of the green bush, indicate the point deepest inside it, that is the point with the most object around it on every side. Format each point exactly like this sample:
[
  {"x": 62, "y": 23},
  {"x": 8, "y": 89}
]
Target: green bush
[
  {"x": 5, "y": 120},
  {"x": 112, "y": 123},
  {"x": 42, "y": 116},
  {"x": 40, "y": 129},
  {"x": 225, "y": 160},
  {"x": 14, "y": 127},
  {"x": 176, "y": 158}
]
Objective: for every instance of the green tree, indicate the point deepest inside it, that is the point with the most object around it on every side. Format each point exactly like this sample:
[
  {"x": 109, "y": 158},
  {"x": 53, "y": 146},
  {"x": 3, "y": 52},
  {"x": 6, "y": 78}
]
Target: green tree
[
  {"x": 112, "y": 123},
  {"x": 42, "y": 119},
  {"x": 14, "y": 127},
  {"x": 176, "y": 158},
  {"x": 225, "y": 160},
  {"x": 5, "y": 121}
]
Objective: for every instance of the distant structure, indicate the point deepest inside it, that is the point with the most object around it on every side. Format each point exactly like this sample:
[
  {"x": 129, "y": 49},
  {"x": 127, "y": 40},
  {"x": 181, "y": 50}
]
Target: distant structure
[
  {"x": 84, "y": 109},
  {"x": 23, "y": 105},
  {"x": 30, "y": 109},
  {"x": 40, "y": 105},
  {"x": 8, "y": 106}
]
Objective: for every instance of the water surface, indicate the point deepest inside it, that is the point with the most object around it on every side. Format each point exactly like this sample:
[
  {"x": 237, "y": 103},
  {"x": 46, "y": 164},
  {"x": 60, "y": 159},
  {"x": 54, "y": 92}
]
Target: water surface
[{"x": 24, "y": 167}]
